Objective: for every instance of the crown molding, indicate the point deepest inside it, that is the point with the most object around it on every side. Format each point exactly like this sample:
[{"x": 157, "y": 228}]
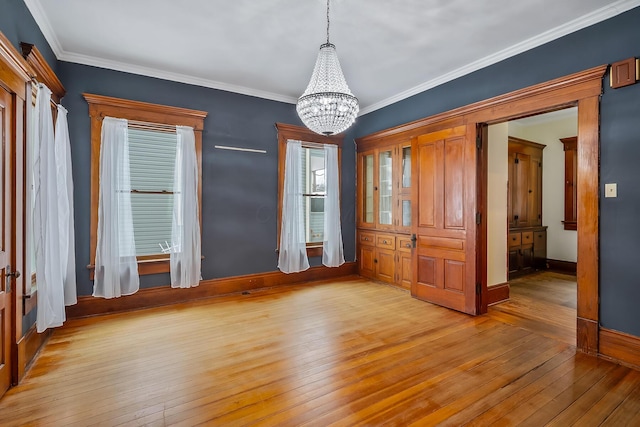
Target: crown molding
[
  {"x": 584, "y": 21},
  {"x": 594, "y": 17},
  {"x": 176, "y": 77},
  {"x": 45, "y": 26}
]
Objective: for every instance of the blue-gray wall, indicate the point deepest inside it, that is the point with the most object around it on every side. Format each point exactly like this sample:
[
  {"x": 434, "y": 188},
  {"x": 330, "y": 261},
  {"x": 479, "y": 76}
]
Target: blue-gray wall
[
  {"x": 17, "y": 24},
  {"x": 239, "y": 201},
  {"x": 609, "y": 41},
  {"x": 239, "y": 189}
]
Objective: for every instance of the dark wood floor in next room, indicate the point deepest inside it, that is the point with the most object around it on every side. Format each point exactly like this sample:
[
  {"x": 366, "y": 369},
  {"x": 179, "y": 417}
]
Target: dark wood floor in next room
[{"x": 345, "y": 353}]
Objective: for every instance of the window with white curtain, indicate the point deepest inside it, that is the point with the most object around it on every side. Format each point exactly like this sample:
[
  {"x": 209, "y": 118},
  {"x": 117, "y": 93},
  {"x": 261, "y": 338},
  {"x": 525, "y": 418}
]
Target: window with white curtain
[
  {"x": 152, "y": 155},
  {"x": 313, "y": 180}
]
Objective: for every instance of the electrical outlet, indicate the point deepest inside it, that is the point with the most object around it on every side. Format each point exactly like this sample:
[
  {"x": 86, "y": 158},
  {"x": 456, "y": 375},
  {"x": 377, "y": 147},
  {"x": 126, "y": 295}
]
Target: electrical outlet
[{"x": 611, "y": 190}]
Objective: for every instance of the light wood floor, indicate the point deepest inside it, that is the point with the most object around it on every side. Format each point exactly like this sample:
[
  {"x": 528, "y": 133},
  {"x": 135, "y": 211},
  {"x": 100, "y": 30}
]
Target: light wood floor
[
  {"x": 345, "y": 353},
  {"x": 542, "y": 302}
]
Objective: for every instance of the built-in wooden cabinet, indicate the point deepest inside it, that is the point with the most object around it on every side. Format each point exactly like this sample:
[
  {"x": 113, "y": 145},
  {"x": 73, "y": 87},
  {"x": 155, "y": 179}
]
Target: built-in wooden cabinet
[
  {"x": 527, "y": 241},
  {"x": 384, "y": 213},
  {"x": 384, "y": 186},
  {"x": 385, "y": 257},
  {"x": 524, "y": 205}
]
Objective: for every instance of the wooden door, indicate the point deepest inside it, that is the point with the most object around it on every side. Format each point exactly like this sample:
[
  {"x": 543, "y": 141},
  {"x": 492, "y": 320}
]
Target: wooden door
[
  {"x": 535, "y": 191},
  {"x": 367, "y": 261},
  {"x": 444, "y": 195},
  {"x": 521, "y": 189},
  {"x": 6, "y": 117}
]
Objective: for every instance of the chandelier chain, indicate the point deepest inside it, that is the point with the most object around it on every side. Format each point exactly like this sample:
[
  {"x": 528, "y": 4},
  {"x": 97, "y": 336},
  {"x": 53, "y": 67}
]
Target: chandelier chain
[{"x": 327, "y": 21}]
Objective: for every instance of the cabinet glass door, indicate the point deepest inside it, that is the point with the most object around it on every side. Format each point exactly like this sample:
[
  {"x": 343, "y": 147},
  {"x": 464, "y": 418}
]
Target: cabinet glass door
[
  {"x": 367, "y": 164},
  {"x": 405, "y": 189},
  {"x": 385, "y": 203},
  {"x": 406, "y": 167}
]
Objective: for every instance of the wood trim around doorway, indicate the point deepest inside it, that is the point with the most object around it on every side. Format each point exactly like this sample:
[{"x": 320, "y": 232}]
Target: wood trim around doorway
[{"x": 582, "y": 89}]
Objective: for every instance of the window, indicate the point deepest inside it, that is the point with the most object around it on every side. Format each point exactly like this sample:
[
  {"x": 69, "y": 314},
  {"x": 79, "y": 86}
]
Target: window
[
  {"x": 313, "y": 179},
  {"x": 314, "y": 193},
  {"x": 152, "y": 151},
  {"x": 151, "y": 163}
]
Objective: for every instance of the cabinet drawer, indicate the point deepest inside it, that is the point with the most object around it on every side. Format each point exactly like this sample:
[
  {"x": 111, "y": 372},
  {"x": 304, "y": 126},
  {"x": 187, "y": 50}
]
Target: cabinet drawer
[
  {"x": 366, "y": 238},
  {"x": 540, "y": 239},
  {"x": 404, "y": 243},
  {"x": 386, "y": 241},
  {"x": 515, "y": 239},
  {"x": 527, "y": 237}
]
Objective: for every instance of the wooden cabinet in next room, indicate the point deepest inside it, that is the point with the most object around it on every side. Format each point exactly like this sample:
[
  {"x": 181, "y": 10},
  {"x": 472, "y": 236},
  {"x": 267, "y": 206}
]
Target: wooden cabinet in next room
[{"x": 524, "y": 199}]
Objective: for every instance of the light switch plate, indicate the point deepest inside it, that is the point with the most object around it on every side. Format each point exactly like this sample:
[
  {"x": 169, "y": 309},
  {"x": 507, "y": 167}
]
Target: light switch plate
[{"x": 611, "y": 190}]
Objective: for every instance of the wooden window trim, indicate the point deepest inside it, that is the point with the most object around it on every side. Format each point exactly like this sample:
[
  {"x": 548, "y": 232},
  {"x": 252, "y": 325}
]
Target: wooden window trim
[
  {"x": 102, "y": 106},
  {"x": 570, "y": 145},
  {"x": 285, "y": 133}
]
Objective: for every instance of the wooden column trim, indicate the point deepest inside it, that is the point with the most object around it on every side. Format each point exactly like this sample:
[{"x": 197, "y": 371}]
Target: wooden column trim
[{"x": 588, "y": 197}]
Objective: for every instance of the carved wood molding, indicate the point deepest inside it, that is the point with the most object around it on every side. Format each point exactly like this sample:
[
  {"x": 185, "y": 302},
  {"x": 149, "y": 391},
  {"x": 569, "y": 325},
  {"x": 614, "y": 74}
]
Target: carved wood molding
[
  {"x": 43, "y": 72},
  {"x": 21, "y": 71},
  {"x": 100, "y": 106},
  {"x": 414, "y": 128},
  {"x": 303, "y": 134}
]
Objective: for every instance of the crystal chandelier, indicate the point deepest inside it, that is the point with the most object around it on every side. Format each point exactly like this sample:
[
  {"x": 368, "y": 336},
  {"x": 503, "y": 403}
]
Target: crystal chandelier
[{"x": 327, "y": 106}]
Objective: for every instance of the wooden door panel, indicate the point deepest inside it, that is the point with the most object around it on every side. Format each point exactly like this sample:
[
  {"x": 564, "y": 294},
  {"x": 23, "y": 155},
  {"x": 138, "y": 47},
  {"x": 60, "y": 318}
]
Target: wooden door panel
[
  {"x": 385, "y": 265},
  {"x": 453, "y": 182},
  {"x": 445, "y": 185},
  {"x": 405, "y": 268},
  {"x": 367, "y": 266},
  {"x": 521, "y": 196},
  {"x": 427, "y": 182},
  {"x": 535, "y": 192}
]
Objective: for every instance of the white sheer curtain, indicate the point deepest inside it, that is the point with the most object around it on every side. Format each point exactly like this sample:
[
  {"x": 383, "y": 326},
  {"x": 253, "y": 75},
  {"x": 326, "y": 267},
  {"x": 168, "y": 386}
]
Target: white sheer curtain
[
  {"x": 185, "y": 227},
  {"x": 293, "y": 248},
  {"x": 332, "y": 249},
  {"x": 116, "y": 267},
  {"x": 65, "y": 207},
  {"x": 47, "y": 233}
]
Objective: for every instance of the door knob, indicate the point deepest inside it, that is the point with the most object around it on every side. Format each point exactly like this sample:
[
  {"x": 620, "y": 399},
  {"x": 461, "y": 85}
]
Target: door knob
[{"x": 10, "y": 273}]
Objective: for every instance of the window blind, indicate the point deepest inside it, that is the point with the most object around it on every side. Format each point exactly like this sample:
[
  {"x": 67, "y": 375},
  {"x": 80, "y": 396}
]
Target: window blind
[{"x": 151, "y": 161}]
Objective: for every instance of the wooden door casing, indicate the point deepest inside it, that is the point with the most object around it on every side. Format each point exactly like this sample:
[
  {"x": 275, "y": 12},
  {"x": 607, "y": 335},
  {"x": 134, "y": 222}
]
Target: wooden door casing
[
  {"x": 444, "y": 192},
  {"x": 6, "y": 118}
]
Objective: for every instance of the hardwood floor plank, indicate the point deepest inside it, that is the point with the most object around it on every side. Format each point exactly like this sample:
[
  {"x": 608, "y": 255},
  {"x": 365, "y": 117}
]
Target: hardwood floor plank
[
  {"x": 544, "y": 303},
  {"x": 627, "y": 413},
  {"x": 344, "y": 353}
]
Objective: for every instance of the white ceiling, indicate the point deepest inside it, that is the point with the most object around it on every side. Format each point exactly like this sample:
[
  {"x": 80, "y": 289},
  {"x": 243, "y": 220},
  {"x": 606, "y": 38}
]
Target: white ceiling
[{"x": 389, "y": 50}]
